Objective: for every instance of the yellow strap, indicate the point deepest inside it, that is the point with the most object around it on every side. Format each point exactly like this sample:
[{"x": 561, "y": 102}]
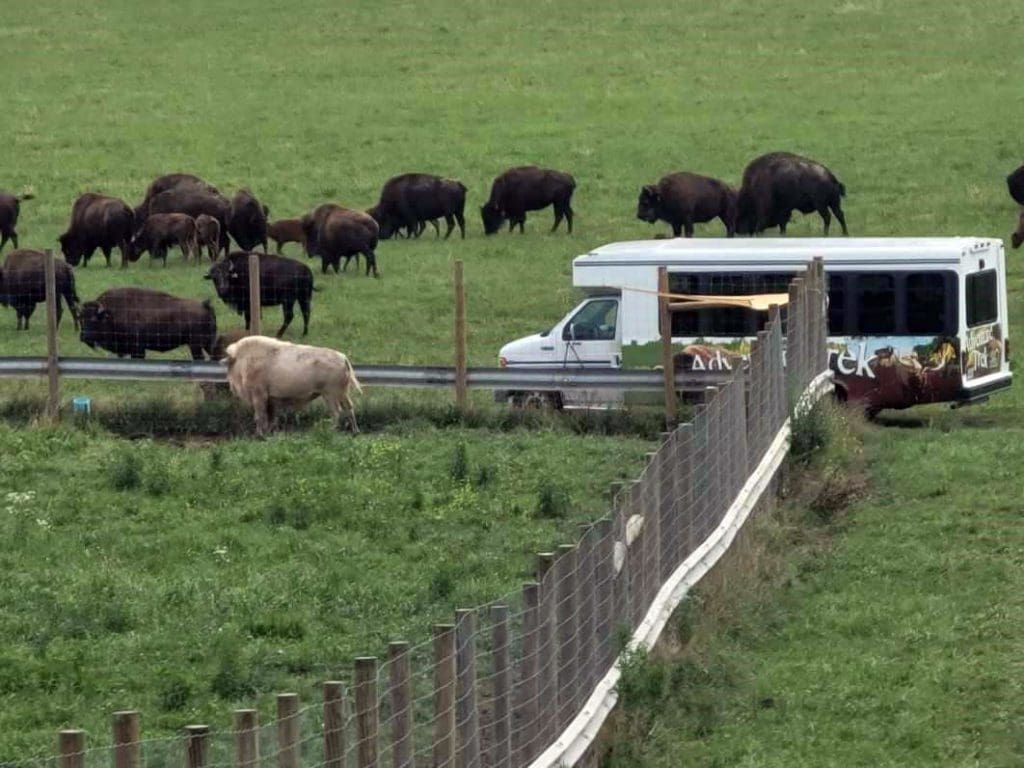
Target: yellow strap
[{"x": 760, "y": 302}]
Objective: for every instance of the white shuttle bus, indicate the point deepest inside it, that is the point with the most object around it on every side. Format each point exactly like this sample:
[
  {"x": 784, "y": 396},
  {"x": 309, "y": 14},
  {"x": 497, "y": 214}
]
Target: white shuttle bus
[{"x": 911, "y": 320}]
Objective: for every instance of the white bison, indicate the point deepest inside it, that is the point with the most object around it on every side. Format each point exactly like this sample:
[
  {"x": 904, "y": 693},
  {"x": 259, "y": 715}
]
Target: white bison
[{"x": 269, "y": 373}]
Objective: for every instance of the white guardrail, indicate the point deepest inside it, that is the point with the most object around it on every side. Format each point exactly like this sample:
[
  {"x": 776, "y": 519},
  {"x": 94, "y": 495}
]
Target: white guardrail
[{"x": 577, "y": 738}]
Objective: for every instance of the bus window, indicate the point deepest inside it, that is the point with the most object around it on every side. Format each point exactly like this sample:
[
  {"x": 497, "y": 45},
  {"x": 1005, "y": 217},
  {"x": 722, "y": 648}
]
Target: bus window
[
  {"x": 876, "y": 305},
  {"x": 836, "y": 305},
  {"x": 982, "y": 304},
  {"x": 684, "y": 323},
  {"x": 926, "y": 303}
]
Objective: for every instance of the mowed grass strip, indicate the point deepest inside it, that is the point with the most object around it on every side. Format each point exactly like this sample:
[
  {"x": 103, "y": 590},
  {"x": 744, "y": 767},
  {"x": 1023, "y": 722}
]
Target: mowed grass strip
[{"x": 899, "y": 647}]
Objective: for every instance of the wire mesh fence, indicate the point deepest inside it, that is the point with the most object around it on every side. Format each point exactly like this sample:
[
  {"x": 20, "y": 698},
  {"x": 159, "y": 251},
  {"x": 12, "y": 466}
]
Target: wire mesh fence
[{"x": 501, "y": 683}]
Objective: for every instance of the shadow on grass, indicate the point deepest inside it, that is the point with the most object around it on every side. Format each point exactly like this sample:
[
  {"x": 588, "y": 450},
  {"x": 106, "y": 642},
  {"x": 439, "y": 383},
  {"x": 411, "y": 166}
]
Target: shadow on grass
[{"x": 223, "y": 418}]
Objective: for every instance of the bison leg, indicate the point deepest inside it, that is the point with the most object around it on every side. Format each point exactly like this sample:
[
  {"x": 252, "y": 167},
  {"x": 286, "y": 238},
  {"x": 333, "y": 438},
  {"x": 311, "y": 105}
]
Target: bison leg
[
  {"x": 559, "y": 215},
  {"x": 3, "y": 240},
  {"x": 261, "y": 412},
  {"x": 107, "y": 253},
  {"x": 450, "y": 224},
  {"x": 677, "y": 229},
  {"x": 371, "y": 263},
  {"x": 304, "y": 308},
  {"x": 836, "y": 209},
  {"x": 437, "y": 229},
  {"x": 288, "y": 310},
  {"x": 462, "y": 224},
  {"x": 568, "y": 217},
  {"x": 522, "y": 225},
  {"x": 688, "y": 228},
  {"x": 825, "y": 217}
]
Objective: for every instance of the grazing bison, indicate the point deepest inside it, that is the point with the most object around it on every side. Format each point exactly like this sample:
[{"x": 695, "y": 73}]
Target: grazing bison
[
  {"x": 23, "y": 285},
  {"x": 333, "y": 232},
  {"x": 776, "y": 184},
  {"x": 167, "y": 182},
  {"x": 208, "y": 235},
  {"x": 10, "y": 207},
  {"x": 527, "y": 188},
  {"x": 413, "y": 199},
  {"x": 286, "y": 231},
  {"x": 129, "y": 321},
  {"x": 195, "y": 202},
  {"x": 683, "y": 199},
  {"x": 268, "y": 374},
  {"x": 247, "y": 221},
  {"x": 282, "y": 281},
  {"x": 1015, "y": 183},
  {"x": 161, "y": 231},
  {"x": 98, "y": 221},
  {"x": 1018, "y": 237}
]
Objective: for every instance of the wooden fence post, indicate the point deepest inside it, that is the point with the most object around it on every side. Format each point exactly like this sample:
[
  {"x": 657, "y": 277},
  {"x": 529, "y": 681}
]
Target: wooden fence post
[
  {"x": 444, "y": 695},
  {"x": 127, "y": 749},
  {"x": 334, "y": 724},
  {"x": 255, "y": 300},
  {"x": 460, "y": 339},
  {"x": 586, "y": 666},
  {"x": 547, "y": 667},
  {"x": 501, "y": 715},
  {"x": 467, "y": 721},
  {"x": 527, "y": 688},
  {"x": 401, "y": 704},
  {"x": 71, "y": 745},
  {"x": 667, "y": 363},
  {"x": 196, "y": 745},
  {"x": 52, "y": 355},
  {"x": 288, "y": 739},
  {"x": 367, "y": 713},
  {"x": 247, "y": 741},
  {"x": 565, "y": 611}
]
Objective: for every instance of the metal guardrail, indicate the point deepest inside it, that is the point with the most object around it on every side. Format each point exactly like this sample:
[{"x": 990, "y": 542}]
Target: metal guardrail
[{"x": 374, "y": 375}]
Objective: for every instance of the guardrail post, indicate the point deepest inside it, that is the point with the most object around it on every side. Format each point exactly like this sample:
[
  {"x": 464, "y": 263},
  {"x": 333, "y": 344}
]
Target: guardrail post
[
  {"x": 667, "y": 364},
  {"x": 460, "y": 339},
  {"x": 127, "y": 750},
  {"x": 52, "y": 359},
  {"x": 254, "y": 320}
]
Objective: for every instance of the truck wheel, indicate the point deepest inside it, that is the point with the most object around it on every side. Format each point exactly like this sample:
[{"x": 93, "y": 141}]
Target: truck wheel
[{"x": 535, "y": 400}]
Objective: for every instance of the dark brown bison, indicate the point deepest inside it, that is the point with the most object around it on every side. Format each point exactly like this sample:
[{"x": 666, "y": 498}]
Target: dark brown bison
[
  {"x": 208, "y": 235},
  {"x": 128, "y": 321},
  {"x": 286, "y": 231},
  {"x": 1015, "y": 184},
  {"x": 282, "y": 281},
  {"x": 195, "y": 202},
  {"x": 167, "y": 182},
  {"x": 10, "y": 207},
  {"x": 247, "y": 221},
  {"x": 23, "y": 285},
  {"x": 97, "y": 221},
  {"x": 683, "y": 199},
  {"x": 527, "y": 188},
  {"x": 161, "y": 231},
  {"x": 333, "y": 233},
  {"x": 413, "y": 199},
  {"x": 776, "y": 184}
]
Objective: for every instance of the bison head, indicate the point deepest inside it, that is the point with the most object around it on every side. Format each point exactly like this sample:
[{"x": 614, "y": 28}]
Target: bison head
[
  {"x": 95, "y": 323},
  {"x": 746, "y": 215},
  {"x": 1018, "y": 237},
  {"x": 384, "y": 223},
  {"x": 309, "y": 232},
  {"x": 648, "y": 204},
  {"x": 492, "y": 217},
  {"x": 71, "y": 249}
]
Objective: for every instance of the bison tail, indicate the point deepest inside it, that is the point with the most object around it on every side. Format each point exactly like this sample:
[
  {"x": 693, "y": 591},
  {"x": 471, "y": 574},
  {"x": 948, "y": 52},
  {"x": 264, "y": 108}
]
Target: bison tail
[
  {"x": 353, "y": 381},
  {"x": 842, "y": 189}
]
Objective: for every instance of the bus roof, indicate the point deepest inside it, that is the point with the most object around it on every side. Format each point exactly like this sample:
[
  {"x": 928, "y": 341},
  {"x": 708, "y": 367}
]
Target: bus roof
[{"x": 738, "y": 252}]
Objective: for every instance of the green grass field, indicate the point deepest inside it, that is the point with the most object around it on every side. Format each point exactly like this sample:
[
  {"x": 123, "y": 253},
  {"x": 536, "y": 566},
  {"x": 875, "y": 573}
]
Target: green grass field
[{"x": 915, "y": 106}]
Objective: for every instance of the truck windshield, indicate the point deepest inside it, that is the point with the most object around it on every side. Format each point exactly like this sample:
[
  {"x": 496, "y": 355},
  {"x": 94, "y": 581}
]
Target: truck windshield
[{"x": 594, "y": 321}]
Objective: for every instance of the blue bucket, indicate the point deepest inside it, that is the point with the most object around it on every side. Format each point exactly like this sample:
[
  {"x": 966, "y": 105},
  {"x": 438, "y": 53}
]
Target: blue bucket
[{"x": 82, "y": 405}]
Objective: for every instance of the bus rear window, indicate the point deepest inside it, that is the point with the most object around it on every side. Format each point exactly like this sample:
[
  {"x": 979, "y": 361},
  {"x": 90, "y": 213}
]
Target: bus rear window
[
  {"x": 982, "y": 302},
  {"x": 876, "y": 304}
]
